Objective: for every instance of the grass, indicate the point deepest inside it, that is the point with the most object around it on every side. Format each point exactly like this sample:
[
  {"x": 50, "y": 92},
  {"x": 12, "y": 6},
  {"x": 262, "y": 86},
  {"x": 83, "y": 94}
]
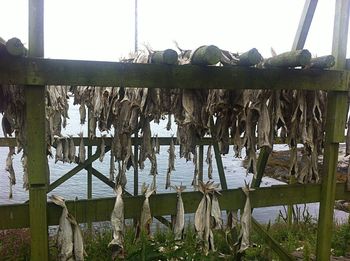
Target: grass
[{"x": 15, "y": 244}]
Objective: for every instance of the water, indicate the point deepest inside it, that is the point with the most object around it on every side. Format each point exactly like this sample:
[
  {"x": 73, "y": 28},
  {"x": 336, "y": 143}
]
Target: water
[{"x": 76, "y": 187}]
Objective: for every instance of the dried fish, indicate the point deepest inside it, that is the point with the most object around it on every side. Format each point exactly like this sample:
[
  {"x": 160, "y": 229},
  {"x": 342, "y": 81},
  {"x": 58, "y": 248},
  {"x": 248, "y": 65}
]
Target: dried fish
[
  {"x": 25, "y": 172},
  {"x": 171, "y": 162},
  {"x": 102, "y": 148},
  {"x": 180, "y": 214},
  {"x": 65, "y": 145},
  {"x": 82, "y": 112},
  {"x": 59, "y": 149},
  {"x": 117, "y": 220},
  {"x": 81, "y": 149},
  {"x": 246, "y": 221},
  {"x": 71, "y": 150},
  {"x": 209, "y": 161},
  {"x": 146, "y": 217},
  {"x": 10, "y": 170},
  {"x": 78, "y": 241},
  {"x": 65, "y": 232}
]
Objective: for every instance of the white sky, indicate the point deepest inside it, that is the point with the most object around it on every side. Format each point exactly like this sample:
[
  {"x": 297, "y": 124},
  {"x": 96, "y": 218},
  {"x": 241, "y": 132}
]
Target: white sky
[{"x": 104, "y": 29}]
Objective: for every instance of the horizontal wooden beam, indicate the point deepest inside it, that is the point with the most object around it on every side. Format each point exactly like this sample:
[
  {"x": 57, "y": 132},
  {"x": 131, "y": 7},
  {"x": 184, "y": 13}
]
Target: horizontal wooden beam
[
  {"x": 37, "y": 71},
  {"x": 16, "y": 215}
]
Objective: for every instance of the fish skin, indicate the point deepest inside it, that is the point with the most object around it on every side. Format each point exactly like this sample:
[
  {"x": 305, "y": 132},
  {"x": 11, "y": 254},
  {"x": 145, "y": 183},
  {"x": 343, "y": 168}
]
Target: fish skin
[
  {"x": 59, "y": 149},
  {"x": 65, "y": 145},
  {"x": 78, "y": 241},
  {"x": 146, "y": 217},
  {"x": 117, "y": 220},
  {"x": 82, "y": 112},
  {"x": 81, "y": 149},
  {"x": 65, "y": 232},
  {"x": 246, "y": 222},
  {"x": 103, "y": 148},
  {"x": 180, "y": 214},
  {"x": 72, "y": 150},
  {"x": 209, "y": 161}
]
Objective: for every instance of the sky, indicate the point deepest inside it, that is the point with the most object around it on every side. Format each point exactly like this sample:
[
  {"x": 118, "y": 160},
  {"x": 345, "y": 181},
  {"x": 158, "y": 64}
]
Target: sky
[{"x": 104, "y": 29}]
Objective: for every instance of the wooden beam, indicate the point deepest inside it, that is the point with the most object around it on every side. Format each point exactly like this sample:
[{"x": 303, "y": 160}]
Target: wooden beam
[
  {"x": 304, "y": 24},
  {"x": 335, "y": 122},
  {"x": 274, "y": 245},
  {"x": 36, "y": 71},
  {"x": 16, "y": 215},
  {"x": 37, "y": 165}
]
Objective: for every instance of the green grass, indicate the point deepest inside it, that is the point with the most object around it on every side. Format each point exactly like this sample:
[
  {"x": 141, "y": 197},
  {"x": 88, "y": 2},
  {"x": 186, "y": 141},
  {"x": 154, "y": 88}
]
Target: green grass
[{"x": 15, "y": 244}]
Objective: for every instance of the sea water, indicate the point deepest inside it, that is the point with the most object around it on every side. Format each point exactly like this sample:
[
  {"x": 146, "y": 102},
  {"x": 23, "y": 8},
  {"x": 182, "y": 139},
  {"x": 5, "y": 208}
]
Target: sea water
[{"x": 76, "y": 187}]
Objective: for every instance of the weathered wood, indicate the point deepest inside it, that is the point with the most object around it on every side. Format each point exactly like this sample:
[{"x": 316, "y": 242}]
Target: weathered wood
[
  {"x": 15, "y": 47},
  {"x": 206, "y": 55},
  {"x": 336, "y": 104},
  {"x": 304, "y": 24},
  {"x": 16, "y": 215},
  {"x": 290, "y": 59},
  {"x": 322, "y": 62},
  {"x": 260, "y": 166},
  {"x": 201, "y": 162},
  {"x": 168, "y": 56},
  {"x": 37, "y": 165},
  {"x": 136, "y": 167},
  {"x": 68, "y": 72},
  {"x": 252, "y": 57},
  {"x": 274, "y": 245}
]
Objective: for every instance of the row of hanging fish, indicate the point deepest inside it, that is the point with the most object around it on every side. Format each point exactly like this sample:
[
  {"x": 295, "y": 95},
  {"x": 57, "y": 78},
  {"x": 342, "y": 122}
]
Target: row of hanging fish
[
  {"x": 236, "y": 116},
  {"x": 70, "y": 241}
]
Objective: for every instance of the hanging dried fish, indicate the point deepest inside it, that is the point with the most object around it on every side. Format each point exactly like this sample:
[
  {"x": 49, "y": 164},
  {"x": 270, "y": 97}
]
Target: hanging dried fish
[
  {"x": 196, "y": 170},
  {"x": 81, "y": 149},
  {"x": 171, "y": 162},
  {"x": 65, "y": 232},
  {"x": 25, "y": 172},
  {"x": 71, "y": 150},
  {"x": 102, "y": 148},
  {"x": 82, "y": 112},
  {"x": 65, "y": 145},
  {"x": 10, "y": 170},
  {"x": 117, "y": 220},
  {"x": 146, "y": 217},
  {"x": 78, "y": 241},
  {"x": 246, "y": 221},
  {"x": 180, "y": 214},
  {"x": 59, "y": 149},
  {"x": 215, "y": 213},
  {"x": 209, "y": 161},
  {"x": 168, "y": 125},
  {"x": 92, "y": 127}
]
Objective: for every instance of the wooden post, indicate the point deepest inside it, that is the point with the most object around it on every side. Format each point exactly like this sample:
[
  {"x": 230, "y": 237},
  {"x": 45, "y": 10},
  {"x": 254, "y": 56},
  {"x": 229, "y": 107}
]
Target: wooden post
[
  {"x": 304, "y": 24},
  {"x": 335, "y": 122},
  {"x": 136, "y": 167},
  {"x": 36, "y": 141},
  {"x": 260, "y": 166},
  {"x": 89, "y": 171}
]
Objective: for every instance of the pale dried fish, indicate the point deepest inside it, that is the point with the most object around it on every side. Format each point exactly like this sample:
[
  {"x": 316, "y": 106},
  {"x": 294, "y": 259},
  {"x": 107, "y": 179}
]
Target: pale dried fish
[
  {"x": 209, "y": 161},
  {"x": 117, "y": 220},
  {"x": 78, "y": 241},
  {"x": 82, "y": 112},
  {"x": 10, "y": 170},
  {"x": 146, "y": 216},
  {"x": 59, "y": 149},
  {"x": 81, "y": 149},
  {"x": 65, "y": 232},
  {"x": 102, "y": 148},
  {"x": 246, "y": 221},
  {"x": 171, "y": 162},
  {"x": 180, "y": 214},
  {"x": 25, "y": 172},
  {"x": 71, "y": 150},
  {"x": 65, "y": 145}
]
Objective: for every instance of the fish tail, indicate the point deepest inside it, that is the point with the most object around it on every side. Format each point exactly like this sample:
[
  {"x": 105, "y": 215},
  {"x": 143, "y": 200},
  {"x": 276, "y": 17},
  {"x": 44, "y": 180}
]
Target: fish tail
[
  {"x": 58, "y": 200},
  {"x": 118, "y": 190}
]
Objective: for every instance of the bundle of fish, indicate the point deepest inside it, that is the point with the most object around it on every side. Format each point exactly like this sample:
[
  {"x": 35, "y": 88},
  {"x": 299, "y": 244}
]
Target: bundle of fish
[
  {"x": 69, "y": 236},
  {"x": 208, "y": 215},
  {"x": 249, "y": 118},
  {"x": 144, "y": 224}
]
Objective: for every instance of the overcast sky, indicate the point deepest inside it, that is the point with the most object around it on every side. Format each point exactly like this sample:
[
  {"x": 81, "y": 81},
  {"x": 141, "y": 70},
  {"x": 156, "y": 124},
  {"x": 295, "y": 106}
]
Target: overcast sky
[{"x": 104, "y": 29}]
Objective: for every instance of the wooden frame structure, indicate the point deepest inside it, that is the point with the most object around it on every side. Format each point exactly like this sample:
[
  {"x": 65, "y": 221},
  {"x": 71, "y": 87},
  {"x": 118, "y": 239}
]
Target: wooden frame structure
[{"x": 36, "y": 72}]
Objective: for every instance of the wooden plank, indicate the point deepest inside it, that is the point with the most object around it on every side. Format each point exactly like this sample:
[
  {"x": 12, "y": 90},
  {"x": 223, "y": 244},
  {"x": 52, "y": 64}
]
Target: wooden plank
[
  {"x": 37, "y": 165},
  {"x": 260, "y": 166},
  {"x": 36, "y": 71},
  {"x": 336, "y": 104},
  {"x": 16, "y": 215},
  {"x": 74, "y": 171},
  {"x": 304, "y": 24},
  {"x": 274, "y": 245}
]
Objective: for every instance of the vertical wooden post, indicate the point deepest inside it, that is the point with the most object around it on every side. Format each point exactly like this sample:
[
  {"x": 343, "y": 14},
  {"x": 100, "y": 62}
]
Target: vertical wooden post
[
  {"x": 260, "y": 166},
  {"x": 136, "y": 167},
  {"x": 36, "y": 140},
  {"x": 200, "y": 159},
  {"x": 335, "y": 122}
]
